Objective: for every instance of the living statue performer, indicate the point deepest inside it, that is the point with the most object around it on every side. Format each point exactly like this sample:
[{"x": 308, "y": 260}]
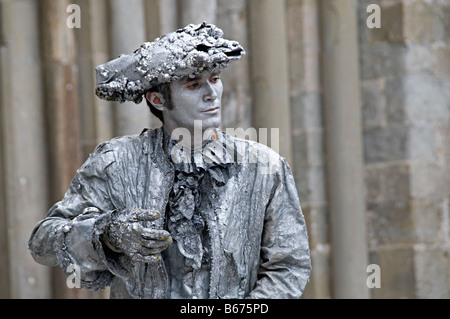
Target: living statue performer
[{"x": 185, "y": 210}]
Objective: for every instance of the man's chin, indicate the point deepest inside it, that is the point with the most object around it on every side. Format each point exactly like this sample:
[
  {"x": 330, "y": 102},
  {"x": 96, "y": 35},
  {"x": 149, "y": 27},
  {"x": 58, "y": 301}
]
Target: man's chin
[{"x": 211, "y": 123}]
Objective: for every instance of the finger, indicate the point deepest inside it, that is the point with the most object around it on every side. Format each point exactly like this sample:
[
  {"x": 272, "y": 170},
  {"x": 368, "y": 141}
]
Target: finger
[
  {"x": 145, "y": 215},
  {"x": 155, "y": 234},
  {"x": 137, "y": 215},
  {"x": 156, "y": 244},
  {"x": 150, "y": 251},
  {"x": 153, "y": 258}
]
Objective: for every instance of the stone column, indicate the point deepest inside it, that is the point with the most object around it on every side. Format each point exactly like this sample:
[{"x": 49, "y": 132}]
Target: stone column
[
  {"x": 269, "y": 71},
  {"x": 168, "y": 12},
  {"x": 60, "y": 79},
  {"x": 93, "y": 49},
  {"x": 152, "y": 19},
  {"x": 100, "y": 53},
  {"x": 127, "y": 34},
  {"x": 196, "y": 11},
  {"x": 342, "y": 103},
  {"x": 23, "y": 149},
  {"x": 236, "y": 99},
  {"x": 308, "y": 136},
  {"x": 4, "y": 252}
]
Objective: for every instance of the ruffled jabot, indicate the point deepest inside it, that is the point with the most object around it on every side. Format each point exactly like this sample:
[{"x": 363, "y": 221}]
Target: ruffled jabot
[{"x": 198, "y": 173}]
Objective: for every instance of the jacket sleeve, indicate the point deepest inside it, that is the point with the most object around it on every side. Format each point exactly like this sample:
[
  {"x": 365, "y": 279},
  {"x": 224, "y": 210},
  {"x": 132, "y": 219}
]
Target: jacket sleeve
[
  {"x": 285, "y": 267},
  {"x": 70, "y": 234}
]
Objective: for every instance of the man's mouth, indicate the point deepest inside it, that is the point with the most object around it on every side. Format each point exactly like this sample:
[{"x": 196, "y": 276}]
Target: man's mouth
[{"x": 212, "y": 109}]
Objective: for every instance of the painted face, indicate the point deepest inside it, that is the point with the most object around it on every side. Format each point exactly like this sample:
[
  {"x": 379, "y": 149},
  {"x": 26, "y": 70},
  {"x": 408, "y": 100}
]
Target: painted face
[{"x": 193, "y": 99}]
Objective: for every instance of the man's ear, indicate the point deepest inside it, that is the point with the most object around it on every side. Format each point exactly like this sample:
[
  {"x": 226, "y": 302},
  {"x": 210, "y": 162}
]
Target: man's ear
[{"x": 156, "y": 99}]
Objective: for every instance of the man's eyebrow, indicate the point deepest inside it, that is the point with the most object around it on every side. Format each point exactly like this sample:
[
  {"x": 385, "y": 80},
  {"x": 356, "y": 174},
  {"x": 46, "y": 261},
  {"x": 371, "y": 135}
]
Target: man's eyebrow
[
  {"x": 197, "y": 77},
  {"x": 188, "y": 79}
]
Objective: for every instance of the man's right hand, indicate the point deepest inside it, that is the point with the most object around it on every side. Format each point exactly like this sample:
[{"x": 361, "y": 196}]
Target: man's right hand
[{"x": 126, "y": 234}]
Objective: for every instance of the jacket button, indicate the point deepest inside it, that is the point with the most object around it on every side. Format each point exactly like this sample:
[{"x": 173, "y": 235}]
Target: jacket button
[{"x": 66, "y": 229}]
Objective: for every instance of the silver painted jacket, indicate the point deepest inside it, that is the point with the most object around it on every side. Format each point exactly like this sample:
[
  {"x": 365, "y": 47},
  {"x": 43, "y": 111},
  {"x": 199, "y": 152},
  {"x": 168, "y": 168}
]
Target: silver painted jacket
[{"x": 258, "y": 236}]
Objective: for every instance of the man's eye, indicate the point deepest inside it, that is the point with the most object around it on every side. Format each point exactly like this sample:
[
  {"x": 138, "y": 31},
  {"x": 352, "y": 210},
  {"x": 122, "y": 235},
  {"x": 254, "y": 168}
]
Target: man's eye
[
  {"x": 214, "y": 79},
  {"x": 192, "y": 86}
]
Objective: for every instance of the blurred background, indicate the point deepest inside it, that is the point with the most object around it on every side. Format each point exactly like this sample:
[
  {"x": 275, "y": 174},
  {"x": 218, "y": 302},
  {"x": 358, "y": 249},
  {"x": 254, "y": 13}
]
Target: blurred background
[{"x": 361, "y": 98}]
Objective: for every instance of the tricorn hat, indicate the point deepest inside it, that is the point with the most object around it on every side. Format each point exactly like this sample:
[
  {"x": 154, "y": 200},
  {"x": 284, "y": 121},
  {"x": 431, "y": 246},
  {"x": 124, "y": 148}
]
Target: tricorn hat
[{"x": 183, "y": 53}]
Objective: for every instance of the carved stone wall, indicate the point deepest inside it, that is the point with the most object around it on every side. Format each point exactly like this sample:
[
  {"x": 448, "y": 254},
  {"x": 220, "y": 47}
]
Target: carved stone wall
[{"x": 405, "y": 84}]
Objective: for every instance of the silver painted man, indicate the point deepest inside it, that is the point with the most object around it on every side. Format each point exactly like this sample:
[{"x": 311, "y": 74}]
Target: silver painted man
[{"x": 185, "y": 210}]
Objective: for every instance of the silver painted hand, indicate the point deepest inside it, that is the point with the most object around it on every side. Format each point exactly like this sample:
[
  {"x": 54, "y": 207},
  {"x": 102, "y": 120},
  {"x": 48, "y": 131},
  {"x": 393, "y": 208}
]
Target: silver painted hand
[{"x": 126, "y": 234}]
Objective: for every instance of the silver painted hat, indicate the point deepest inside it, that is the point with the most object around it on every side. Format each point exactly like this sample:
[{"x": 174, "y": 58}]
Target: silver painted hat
[{"x": 183, "y": 53}]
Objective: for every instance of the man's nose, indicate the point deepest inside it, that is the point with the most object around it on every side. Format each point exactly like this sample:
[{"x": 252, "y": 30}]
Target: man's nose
[{"x": 210, "y": 93}]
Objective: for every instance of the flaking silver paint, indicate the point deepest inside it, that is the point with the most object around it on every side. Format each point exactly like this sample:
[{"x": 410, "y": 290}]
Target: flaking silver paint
[{"x": 183, "y": 53}]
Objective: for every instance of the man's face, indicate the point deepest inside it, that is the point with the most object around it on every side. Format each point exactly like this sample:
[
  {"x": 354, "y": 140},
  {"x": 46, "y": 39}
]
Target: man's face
[{"x": 193, "y": 99}]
